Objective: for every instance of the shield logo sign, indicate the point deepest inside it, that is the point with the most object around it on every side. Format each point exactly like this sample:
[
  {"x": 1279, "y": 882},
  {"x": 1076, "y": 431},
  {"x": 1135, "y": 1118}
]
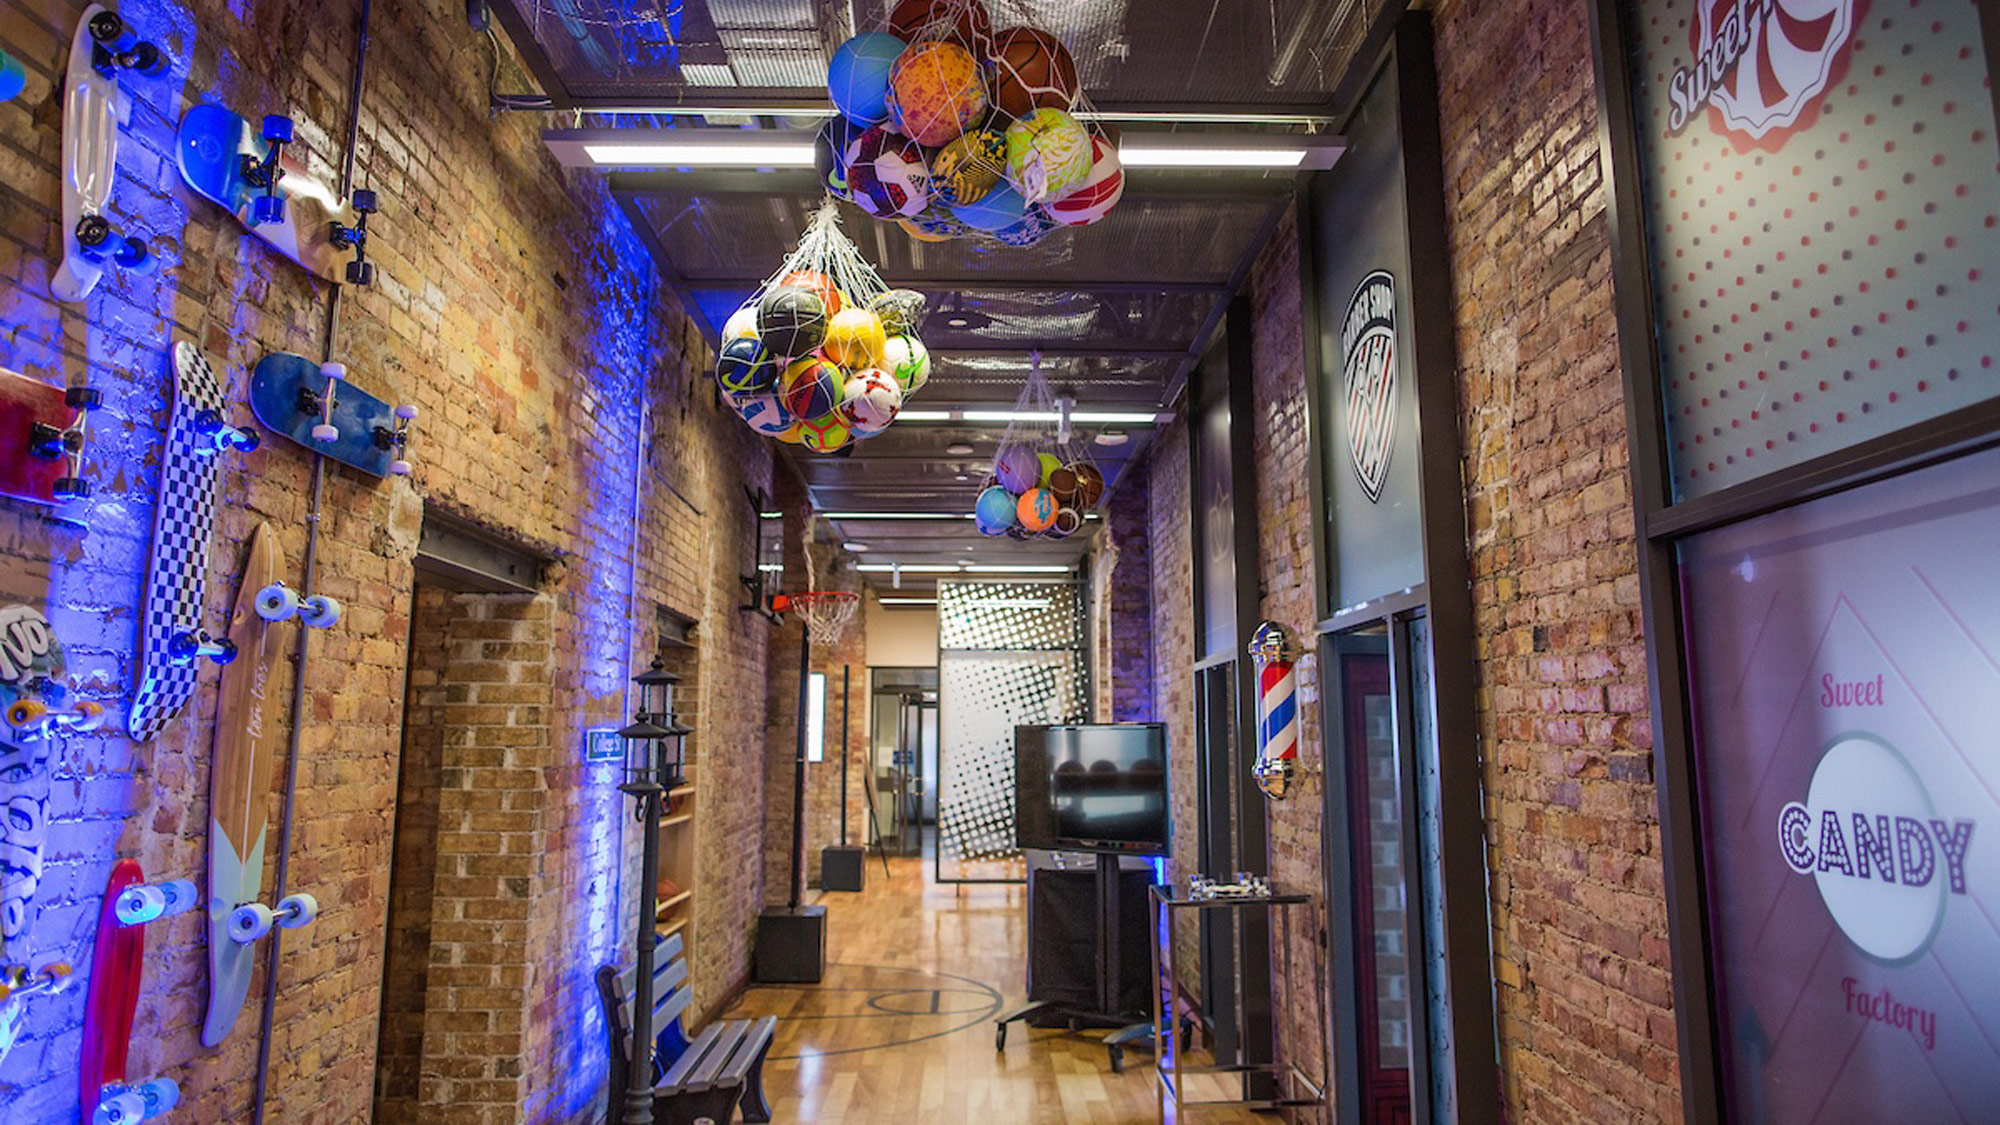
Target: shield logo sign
[{"x": 1368, "y": 366}]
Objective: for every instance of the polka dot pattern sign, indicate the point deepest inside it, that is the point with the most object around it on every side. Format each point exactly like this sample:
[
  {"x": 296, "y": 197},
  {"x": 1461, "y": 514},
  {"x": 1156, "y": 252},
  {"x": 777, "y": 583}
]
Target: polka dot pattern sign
[{"x": 1822, "y": 186}]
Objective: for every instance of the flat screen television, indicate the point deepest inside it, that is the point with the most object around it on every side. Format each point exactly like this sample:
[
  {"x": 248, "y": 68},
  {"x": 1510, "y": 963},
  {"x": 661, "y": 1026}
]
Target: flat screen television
[{"x": 1091, "y": 788}]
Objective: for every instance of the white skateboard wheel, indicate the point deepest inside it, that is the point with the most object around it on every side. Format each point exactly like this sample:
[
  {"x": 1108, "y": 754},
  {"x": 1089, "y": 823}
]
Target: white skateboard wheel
[
  {"x": 121, "y": 1108},
  {"x": 276, "y": 602},
  {"x": 399, "y": 468},
  {"x": 406, "y": 411},
  {"x": 161, "y": 1095},
  {"x": 319, "y": 611},
  {"x": 181, "y": 895},
  {"x": 141, "y": 904},
  {"x": 249, "y": 922},
  {"x": 333, "y": 371},
  {"x": 326, "y": 433},
  {"x": 297, "y": 910}
]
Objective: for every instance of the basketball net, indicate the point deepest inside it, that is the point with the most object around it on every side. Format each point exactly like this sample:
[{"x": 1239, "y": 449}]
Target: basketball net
[{"x": 826, "y": 613}]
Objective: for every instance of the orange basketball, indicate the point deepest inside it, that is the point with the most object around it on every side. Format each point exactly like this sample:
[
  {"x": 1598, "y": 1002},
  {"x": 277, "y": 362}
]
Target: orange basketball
[
  {"x": 1032, "y": 70},
  {"x": 818, "y": 283}
]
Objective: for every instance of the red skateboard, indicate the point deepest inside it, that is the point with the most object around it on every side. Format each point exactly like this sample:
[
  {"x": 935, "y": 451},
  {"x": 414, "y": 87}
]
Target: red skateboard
[
  {"x": 41, "y": 439},
  {"x": 115, "y": 968}
]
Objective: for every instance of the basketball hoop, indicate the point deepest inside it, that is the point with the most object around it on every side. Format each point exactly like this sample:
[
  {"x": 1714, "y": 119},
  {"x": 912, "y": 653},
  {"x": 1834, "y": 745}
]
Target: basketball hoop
[{"x": 827, "y": 613}]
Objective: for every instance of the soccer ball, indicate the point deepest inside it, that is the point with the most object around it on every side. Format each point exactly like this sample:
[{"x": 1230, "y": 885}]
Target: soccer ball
[{"x": 871, "y": 401}]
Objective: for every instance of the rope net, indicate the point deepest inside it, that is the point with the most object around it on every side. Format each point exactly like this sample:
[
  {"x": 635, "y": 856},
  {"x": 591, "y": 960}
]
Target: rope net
[{"x": 1043, "y": 479}]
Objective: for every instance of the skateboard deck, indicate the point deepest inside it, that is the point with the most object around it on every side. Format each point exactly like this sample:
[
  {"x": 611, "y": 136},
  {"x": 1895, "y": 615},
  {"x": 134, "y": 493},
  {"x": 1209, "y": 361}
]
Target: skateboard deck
[
  {"x": 246, "y": 743},
  {"x": 95, "y": 110},
  {"x": 31, "y": 669},
  {"x": 183, "y": 519},
  {"x": 215, "y": 148},
  {"x": 41, "y": 439},
  {"x": 116, "y": 962},
  {"x": 13, "y": 77},
  {"x": 288, "y": 394}
]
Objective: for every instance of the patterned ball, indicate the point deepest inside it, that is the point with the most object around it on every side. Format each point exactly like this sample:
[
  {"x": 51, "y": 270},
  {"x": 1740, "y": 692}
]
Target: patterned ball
[
  {"x": 811, "y": 387},
  {"x": 995, "y": 211},
  {"x": 765, "y": 413},
  {"x": 826, "y": 433},
  {"x": 889, "y": 176},
  {"x": 833, "y": 153},
  {"x": 921, "y": 233},
  {"x": 819, "y": 283},
  {"x": 746, "y": 367},
  {"x": 993, "y": 513},
  {"x": 855, "y": 339},
  {"x": 1048, "y": 154},
  {"x": 1095, "y": 196},
  {"x": 857, "y": 77},
  {"x": 871, "y": 401},
  {"x": 934, "y": 224},
  {"x": 906, "y": 358},
  {"x": 968, "y": 167},
  {"x": 742, "y": 322},
  {"x": 1018, "y": 469},
  {"x": 1034, "y": 226},
  {"x": 964, "y": 22},
  {"x": 791, "y": 321},
  {"x": 936, "y": 92},
  {"x": 901, "y": 310},
  {"x": 1036, "y": 510},
  {"x": 1032, "y": 70}
]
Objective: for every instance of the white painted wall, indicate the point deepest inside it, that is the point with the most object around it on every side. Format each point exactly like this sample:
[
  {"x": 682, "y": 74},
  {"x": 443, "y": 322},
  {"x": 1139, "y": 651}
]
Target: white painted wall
[{"x": 900, "y": 637}]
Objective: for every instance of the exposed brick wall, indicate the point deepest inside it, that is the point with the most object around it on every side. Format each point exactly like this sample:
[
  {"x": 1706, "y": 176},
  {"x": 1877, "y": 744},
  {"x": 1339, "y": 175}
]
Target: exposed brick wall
[
  {"x": 1172, "y": 557},
  {"x": 519, "y": 312},
  {"x": 1581, "y": 961},
  {"x": 1128, "y": 685}
]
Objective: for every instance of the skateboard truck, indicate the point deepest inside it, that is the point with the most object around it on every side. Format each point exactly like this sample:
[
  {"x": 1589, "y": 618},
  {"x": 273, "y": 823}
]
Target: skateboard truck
[
  {"x": 35, "y": 715},
  {"x": 115, "y": 46},
  {"x": 269, "y": 207},
  {"x": 21, "y": 981},
  {"x": 123, "y": 1104},
  {"x": 98, "y": 240},
  {"x": 148, "y": 902},
  {"x": 52, "y": 444},
  {"x": 253, "y": 920},
  {"x": 277, "y": 602},
  {"x": 397, "y": 440},
  {"x": 360, "y": 271},
  {"x": 322, "y": 402},
  {"x": 186, "y": 648},
  {"x": 220, "y": 435}
]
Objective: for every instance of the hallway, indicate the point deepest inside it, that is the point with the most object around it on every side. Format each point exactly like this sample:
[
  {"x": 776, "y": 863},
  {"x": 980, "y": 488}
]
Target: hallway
[{"x": 902, "y": 1028}]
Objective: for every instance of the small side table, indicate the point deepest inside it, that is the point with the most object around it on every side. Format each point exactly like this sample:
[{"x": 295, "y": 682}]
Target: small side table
[{"x": 1293, "y": 1086}]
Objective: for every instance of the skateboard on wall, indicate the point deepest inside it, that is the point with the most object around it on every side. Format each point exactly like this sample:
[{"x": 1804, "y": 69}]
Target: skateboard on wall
[
  {"x": 42, "y": 433},
  {"x": 244, "y": 168},
  {"x": 172, "y": 645},
  {"x": 246, "y": 749},
  {"x": 32, "y": 674},
  {"x": 116, "y": 965},
  {"x": 96, "y": 108},
  {"x": 314, "y": 405}
]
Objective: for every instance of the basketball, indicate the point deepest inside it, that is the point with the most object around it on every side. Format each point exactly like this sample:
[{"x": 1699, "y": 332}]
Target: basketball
[
  {"x": 855, "y": 339},
  {"x": 996, "y": 210},
  {"x": 742, "y": 322},
  {"x": 1036, "y": 510},
  {"x": 1018, "y": 469},
  {"x": 1062, "y": 485},
  {"x": 765, "y": 413},
  {"x": 1048, "y": 154},
  {"x": 901, "y": 310},
  {"x": 1094, "y": 197},
  {"x": 1089, "y": 484},
  {"x": 819, "y": 283},
  {"x": 968, "y": 167},
  {"x": 1032, "y": 70},
  {"x": 889, "y": 177},
  {"x": 906, "y": 358},
  {"x": 936, "y": 92},
  {"x": 993, "y": 513},
  {"x": 810, "y": 387},
  {"x": 963, "y": 21},
  {"x": 745, "y": 367},
  {"x": 871, "y": 400},
  {"x": 857, "y": 77},
  {"x": 825, "y": 433},
  {"x": 791, "y": 321},
  {"x": 1034, "y": 226},
  {"x": 833, "y": 153}
]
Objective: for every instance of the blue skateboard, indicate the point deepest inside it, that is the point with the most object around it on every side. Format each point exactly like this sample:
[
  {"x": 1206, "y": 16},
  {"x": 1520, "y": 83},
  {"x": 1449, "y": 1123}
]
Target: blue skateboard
[
  {"x": 245, "y": 169},
  {"x": 13, "y": 79},
  {"x": 314, "y": 405}
]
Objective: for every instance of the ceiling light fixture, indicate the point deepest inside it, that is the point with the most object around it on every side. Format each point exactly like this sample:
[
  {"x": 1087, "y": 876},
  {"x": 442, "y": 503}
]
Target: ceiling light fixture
[
  {"x": 855, "y": 546},
  {"x": 965, "y": 568},
  {"x": 779, "y": 148},
  {"x": 738, "y": 152},
  {"x": 897, "y": 515},
  {"x": 1008, "y": 414},
  {"x": 1112, "y": 437},
  {"x": 815, "y": 112},
  {"x": 959, "y": 449},
  {"x": 907, "y": 601}
]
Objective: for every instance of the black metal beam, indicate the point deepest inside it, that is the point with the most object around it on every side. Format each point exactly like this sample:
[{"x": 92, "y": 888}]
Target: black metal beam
[
  {"x": 737, "y": 278},
  {"x": 1140, "y": 183}
]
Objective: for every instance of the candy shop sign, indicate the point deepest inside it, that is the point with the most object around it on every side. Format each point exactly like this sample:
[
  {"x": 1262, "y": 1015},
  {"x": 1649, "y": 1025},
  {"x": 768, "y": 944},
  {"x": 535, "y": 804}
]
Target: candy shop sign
[
  {"x": 1885, "y": 860},
  {"x": 1762, "y": 66}
]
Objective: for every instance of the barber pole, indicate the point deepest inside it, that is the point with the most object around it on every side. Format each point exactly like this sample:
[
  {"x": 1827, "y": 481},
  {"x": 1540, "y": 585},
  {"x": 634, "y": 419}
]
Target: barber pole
[{"x": 1277, "y": 710}]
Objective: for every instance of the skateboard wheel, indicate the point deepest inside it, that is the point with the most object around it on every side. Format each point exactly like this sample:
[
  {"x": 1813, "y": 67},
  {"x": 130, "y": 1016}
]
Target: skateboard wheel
[
  {"x": 361, "y": 273},
  {"x": 249, "y": 922},
  {"x": 87, "y": 715},
  {"x": 364, "y": 201},
  {"x": 276, "y": 602},
  {"x": 243, "y": 441},
  {"x": 110, "y": 31},
  {"x": 399, "y": 468},
  {"x": 319, "y": 612},
  {"x": 139, "y": 905},
  {"x": 333, "y": 371},
  {"x": 93, "y": 231},
  {"x": 297, "y": 910},
  {"x": 24, "y": 714},
  {"x": 278, "y": 129},
  {"x": 83, "y": 398},
  {"x": 326, "y": 433},
  {"x": 134, "y": 255},
  {"x": 181, "y": 895},
  {"x": 407, "y": 411},
  {"x": 267, "y": 210},
  {"x": 71, "y": 488},
  {"x": 225, "y": 651}
]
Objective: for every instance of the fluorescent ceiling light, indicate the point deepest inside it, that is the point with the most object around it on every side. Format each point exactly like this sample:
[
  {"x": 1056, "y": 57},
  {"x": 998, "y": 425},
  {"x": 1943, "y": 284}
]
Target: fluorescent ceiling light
[
  {"x": 771, "y": 568},
  {"x": 908, "y": 568},
  {"x": 975, "y": 568},
  {"x": 701, "y": 154},
  {"x": 923, "y": 415},
  {"x": 1082, "y": 417},
  {"x": 817, "y": 111},
  {"x": 783, "y": 148},
  {"x": 897, "y": 515},
  {"x": 1156, "y": 157},
  {"x": 907, "y": 601},
  {"x": 1020, "y": 568}
]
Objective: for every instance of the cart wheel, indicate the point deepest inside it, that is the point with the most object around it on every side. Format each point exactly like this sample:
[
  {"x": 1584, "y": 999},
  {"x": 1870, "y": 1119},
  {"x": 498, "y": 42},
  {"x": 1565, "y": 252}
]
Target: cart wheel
[
  {"x": 999, "y": 1036},
  {"x": 1117, "y": 1054}
]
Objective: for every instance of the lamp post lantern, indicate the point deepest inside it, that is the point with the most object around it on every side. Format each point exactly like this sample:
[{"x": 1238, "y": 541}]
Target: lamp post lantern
[{"x": 653, "y": 762}]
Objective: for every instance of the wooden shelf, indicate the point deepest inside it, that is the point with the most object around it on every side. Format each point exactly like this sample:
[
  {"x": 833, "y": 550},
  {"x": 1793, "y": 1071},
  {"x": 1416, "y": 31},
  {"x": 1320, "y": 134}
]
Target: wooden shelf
[
  {"x": 677, "y": 819},
  {"x": 673, "y": 927},
  {"x": 671, "y": 903}
]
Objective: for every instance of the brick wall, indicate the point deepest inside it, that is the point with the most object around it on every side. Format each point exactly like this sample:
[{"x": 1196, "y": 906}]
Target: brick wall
[
  {"x": 519, "y": 312},
  {"x": 1128, "y": 685}
]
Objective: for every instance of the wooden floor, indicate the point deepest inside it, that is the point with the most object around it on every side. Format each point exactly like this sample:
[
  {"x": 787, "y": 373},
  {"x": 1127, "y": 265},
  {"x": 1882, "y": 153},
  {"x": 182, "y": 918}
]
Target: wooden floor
[{"x": 901, "y": 1029}]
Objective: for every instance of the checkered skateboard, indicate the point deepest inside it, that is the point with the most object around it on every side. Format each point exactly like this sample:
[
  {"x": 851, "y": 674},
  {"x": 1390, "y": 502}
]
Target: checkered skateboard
[{"x": 172, "y": 643}]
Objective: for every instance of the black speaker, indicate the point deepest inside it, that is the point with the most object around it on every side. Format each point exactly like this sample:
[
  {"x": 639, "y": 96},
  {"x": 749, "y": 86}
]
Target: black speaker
[
  {"x": 791, "y": 946},
  {"x": 842, "y": 869}
]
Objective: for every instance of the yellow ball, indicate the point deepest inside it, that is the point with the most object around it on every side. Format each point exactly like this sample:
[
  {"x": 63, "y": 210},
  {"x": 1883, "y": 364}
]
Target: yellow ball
[
  {"x": 855, "y": 339},
  {"x": 742, "y": 322},
  {"x": 1050, "y": 463}
]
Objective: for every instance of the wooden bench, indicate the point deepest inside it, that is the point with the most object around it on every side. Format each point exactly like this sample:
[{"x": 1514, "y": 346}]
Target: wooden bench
[{"x": 706, "y": 1076}]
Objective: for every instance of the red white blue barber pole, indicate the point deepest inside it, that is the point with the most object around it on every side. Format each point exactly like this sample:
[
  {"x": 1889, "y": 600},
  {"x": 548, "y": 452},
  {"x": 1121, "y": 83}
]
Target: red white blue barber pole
[{"x": 1277, "y": 765}]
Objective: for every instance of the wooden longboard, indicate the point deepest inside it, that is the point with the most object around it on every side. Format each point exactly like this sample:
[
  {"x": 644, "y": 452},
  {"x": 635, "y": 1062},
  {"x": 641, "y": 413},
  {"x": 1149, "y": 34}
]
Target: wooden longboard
[
  {"x": 115, "y": 967},
  {"x": 246, "y": 742}
]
